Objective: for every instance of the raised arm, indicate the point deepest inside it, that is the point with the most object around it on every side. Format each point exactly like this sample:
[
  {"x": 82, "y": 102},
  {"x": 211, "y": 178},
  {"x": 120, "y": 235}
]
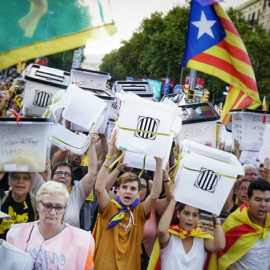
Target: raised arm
[
  {"x": 102, "y": 178},
  {"x": 89, "y": 179},
  {"x": 114, "y": 174},
  {"x": 156, "y": 188},
  {"x": 164, "y": 224},
  {"x": 218, "y": 243},
  {"x": 103, "y": 150},
  {"x": 59, "y": 156}
]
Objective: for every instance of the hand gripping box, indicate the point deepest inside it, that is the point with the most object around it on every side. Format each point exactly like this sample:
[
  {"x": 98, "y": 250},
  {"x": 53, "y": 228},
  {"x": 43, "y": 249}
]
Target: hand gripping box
[
  {"x": 145, "y": 126},
  {"x": 24, "y": 145},
  {"x": 206, "y": 176},
  {"x": 41, "y": 84},
  {"x": 248, "y": 127}
]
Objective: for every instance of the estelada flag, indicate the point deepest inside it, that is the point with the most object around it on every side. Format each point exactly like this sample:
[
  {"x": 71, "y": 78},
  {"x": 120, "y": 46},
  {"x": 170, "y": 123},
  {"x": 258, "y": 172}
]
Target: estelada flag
[
  {"x": 241, "y": 234},
  {"x": 213, "y": 46},
  {"x": 33, "y": 28}
]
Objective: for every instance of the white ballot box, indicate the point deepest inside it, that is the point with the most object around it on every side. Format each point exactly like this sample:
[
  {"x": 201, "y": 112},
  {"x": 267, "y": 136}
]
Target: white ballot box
[
  {"x": 24, "y": 145},
  {"x": 248, "y": 128},
  {"x": 41, "y": 84},
  {"x": 145, "y": 126},
  {"x": 265, "y": 146},
  {"x": 199, "y": 123},
  {"x": 79, "y": 107},
  {"x": 206, "y": 176},
  {"x": 85, "y": 78}
]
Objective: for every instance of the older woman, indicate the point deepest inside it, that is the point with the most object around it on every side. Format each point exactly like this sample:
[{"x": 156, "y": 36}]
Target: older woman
[
  {"x": 52, "y": 243},
  {"x": 63, "y": 173},
  {"x": 18, "y": 203}
]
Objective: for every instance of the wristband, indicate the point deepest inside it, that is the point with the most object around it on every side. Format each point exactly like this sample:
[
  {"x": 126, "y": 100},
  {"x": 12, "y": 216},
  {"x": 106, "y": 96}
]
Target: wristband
[
  {"x": 108, "y": 157},
  {"x": 218, "y": 224}
]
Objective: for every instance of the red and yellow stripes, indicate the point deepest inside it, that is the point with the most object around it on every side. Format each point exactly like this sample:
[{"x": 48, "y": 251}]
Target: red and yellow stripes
[
  {"x": 229, "y": 61},
  {"x": 241, "y": 234}
]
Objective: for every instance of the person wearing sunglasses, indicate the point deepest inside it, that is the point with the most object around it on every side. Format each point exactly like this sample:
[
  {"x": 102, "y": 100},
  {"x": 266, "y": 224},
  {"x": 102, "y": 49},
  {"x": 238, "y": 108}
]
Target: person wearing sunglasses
[
  {"x": 19, "y": 203},
  {"x": 63, "y": 173},
  {"x": 52, "y": 243}
]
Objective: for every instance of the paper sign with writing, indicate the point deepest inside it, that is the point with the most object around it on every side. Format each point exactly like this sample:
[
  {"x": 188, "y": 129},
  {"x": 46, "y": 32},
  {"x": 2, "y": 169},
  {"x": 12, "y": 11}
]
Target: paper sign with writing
[{"x": 265, "y": 148}]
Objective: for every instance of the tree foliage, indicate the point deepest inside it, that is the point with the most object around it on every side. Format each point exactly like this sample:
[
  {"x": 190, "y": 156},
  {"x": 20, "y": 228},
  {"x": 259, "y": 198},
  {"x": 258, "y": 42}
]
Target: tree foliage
[{"x": 156, "y": 49}]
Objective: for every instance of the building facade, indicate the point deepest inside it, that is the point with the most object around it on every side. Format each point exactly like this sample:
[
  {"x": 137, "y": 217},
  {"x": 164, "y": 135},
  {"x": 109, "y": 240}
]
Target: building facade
[{"x": 256, "y": 12}]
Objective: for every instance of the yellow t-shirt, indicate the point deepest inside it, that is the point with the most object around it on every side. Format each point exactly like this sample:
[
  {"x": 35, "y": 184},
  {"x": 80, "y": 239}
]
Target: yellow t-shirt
[{"x": 119, "y": 248}]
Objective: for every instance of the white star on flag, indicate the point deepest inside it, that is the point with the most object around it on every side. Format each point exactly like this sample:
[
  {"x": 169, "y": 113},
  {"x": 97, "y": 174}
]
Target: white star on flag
[{"x": 204, "y": 26}]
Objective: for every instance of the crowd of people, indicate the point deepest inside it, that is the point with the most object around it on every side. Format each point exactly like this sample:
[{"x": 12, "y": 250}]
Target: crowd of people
[{"x": 92, "y": 211}]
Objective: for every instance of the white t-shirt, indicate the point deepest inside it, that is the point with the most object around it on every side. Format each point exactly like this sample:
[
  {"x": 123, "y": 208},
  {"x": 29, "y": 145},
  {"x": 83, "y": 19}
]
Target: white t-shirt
[
  {"x": 257, "y": 258},
  {"x": 174, "y": 256},
  {"x": 76, "y": 201}
]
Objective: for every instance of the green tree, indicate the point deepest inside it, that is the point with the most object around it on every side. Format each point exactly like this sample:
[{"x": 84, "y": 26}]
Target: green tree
[{"x": 156, "y": 49}]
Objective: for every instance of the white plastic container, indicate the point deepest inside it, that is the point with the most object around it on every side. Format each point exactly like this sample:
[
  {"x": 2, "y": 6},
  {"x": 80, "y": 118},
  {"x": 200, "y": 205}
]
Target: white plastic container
[
  {"x": 199, "y": 123},
  {"x": 141, "y": 88},
  {"x": 206, "y": 176},
  {"x": 145, "y": 126},
  {"x": 85, "y": 78},
  {"x": 265, "y": 147},
  {"x": 67, "y": 140},
  {"x": 77, "y": 106},
  {"x": 248, "y": 128},
  {"x": 23, "y": 147},
  {"x": 135, "y": 160},
  {"x": 41, "y": 84}
]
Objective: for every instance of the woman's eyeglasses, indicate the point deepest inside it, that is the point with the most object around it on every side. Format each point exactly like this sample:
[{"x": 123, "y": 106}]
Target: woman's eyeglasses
[
  {"x": 59, "y": 173},
  {"x": 48, "y": 207},
  {"x": 243, "y": 188}
]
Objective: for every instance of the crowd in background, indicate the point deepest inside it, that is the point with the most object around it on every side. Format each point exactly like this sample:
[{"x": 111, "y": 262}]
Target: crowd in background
[{"x": 125, "y": 210}]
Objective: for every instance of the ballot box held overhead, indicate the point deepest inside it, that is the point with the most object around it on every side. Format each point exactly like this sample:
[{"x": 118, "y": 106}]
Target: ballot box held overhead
[
  {"x": 248, "y": 127},
  {"x": 199, "y": 123},
  {"x": 92, "y": 79},
  {"x": 41, "y": 84},
  {"x": 206, "y": 176},
  {"x": 145, "y": 126},
  {"x": 24, "y": 144},
  {"x": 79, "y": 107}
]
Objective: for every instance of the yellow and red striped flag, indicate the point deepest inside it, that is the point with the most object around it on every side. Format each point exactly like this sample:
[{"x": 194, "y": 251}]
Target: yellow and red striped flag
[
  {"x": 44, "y": 27},
  {"x": 213, "y": 46}
]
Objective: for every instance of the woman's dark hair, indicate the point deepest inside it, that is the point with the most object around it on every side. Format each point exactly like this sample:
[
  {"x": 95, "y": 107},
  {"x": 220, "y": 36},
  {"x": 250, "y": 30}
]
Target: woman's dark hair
[
  {"x": 64, "y": 164},
  {"x": 146, "y": 177},
  {"x": 180, "y": 207}
]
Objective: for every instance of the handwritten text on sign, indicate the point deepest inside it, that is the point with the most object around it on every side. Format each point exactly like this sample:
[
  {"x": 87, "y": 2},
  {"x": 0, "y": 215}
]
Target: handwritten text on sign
[
  {"x": 204, "y": 132},
  {"x": 248, "y": 129},
  {"x": 13, "y": 143}
]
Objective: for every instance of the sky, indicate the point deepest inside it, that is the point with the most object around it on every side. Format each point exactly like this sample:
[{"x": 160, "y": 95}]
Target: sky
[{"x": 128, "y": 15}]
